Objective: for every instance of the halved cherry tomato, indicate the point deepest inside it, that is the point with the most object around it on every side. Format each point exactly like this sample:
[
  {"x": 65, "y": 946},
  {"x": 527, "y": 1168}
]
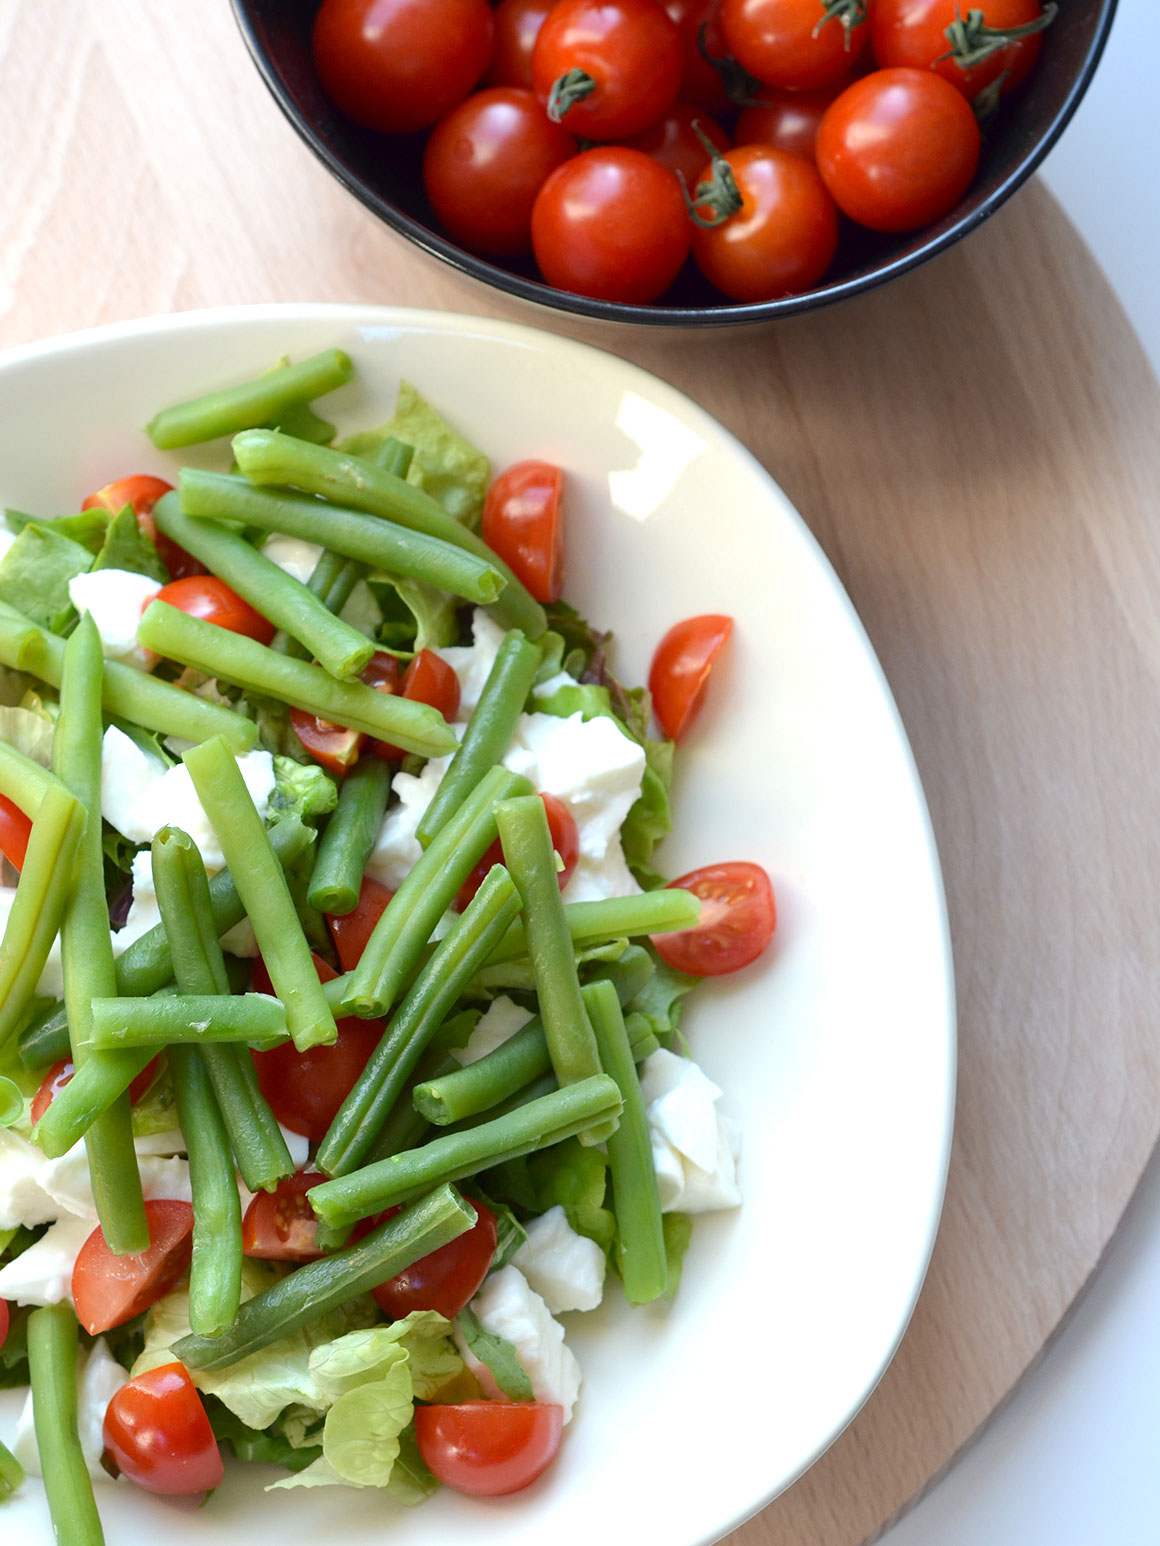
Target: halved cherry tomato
[
  {"x": 108, "y": 1290},
  {"x": 212, "y": 600},
  {"x": 158, "y": 1434},
  {"x": 350, "y": 931},
  {"x": 624, "y": 58},
  {"x": 15, "y": 830},
  {"x": 565, "y": 840},
  {"x": 738, "y": 917},
  {"x": 305, "y": 1089},
  {"x": 489, "y": 1448},
  {"x": 281, "y": 1225},
  {"x": 797, "y": 45},
  {"x": 1000, "y": 38},
  {"x": 428, "y": 679},
  {"x": 523, "y": 522},
  {"x": 142, "y": 493},
  {"x": 59, "y": 1075},
  {"x": 446, "y": 1279},
  {"x": 334, "y": 747},
  {"x": 517, "y": 25},
  {"x": 4, "y": 1319},
  {"x": 674, "y": 142},
  {"x": 680, "y": 670}
]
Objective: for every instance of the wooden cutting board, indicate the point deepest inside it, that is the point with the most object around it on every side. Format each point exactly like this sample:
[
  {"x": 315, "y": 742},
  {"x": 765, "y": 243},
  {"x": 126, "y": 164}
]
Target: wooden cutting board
[{"x": 975, "y": 447}]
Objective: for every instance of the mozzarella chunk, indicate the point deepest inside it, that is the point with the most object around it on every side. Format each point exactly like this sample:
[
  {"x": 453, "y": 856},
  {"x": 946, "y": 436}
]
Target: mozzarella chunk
[
  {"x": 509, "y": 1308},
  {"x": 101, "y": 1377},
  {"x": 589, "y": 765},
  {"x": 472, "y": 663},
  {"x": 115, "y": 599},
  {"x": 397, "y": 848},
  {"x": 66, "y": 1180},
  {"x": 499, "y": 1022},
  {"x": 43, "y": 1273},
  {"x": 51, "y": 984},
  {"x": 564, "y": 1268},
  {"x": 298, "y": 1146},
  {"x": 594, "y": 879},
  {"x": 553, "y": 684},
  {"x": 23, "y": 1201},
  {"x": 128, "y": 778},
  {"x": 694, "y": 1147},
  {"x": 144, "y": 913},
  {"x": 292, "y": 555}
]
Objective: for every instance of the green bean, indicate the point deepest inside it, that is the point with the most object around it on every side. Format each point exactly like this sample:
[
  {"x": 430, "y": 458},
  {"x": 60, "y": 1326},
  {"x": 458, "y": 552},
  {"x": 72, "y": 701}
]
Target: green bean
[
  {"x": 278, "y": 596},
  {"x": 266, "y": 457},
  {"x": 22, "y": 780},
  {"x": 39, "y": 904},
  {"x": 428, "y": 1002},
  {"x": 44, "y": 1040},
  {"x": 426, "y": 893},
  {"x": 452, "y": 1156},
  {"x": 52, "y": 1364},
  {"x": 263, "y": 401},
  {"x": 255, "y": 1137},
  {"x": 619, "y": 917},
  {"x": 86, "y": 946},
  {"x": 489, "y": 730},
  {"x": 416, "y": 727},
  {"x": 215, "y": 1274},
  {"x": 349, "y": 837},
  {"x": 11, "y": 1473},
  {"x": 188, "y": 1018},
  {"x": 640, "y": 1240},
  {"x": 315, "y": 1289},
  {"x": 546, "y": 1084},
  {"x": 300, "y": 420},
  {"x": 263, "y": 890},
  {"x": 434, "y": 559},
  {"x": 406, "y": 1128}
]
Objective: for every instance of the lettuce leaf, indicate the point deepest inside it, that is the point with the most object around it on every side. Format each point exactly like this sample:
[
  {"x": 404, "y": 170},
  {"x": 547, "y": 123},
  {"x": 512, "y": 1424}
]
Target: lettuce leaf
[
  {"x": 35, "y": 572},
  {"x": 88, "y": 527},
  {"x": 445, "y": 465},
  {"x": 301, "y": 789},
  {"x": 265, "y": 1444},
  {"x": 569, "y": 1174},
  {"x": 660, "y": 1001},
  {"x": 127, "y": 547},
  {"x": 29, "y": 730},
  {"x": 499, "y": 1356}
]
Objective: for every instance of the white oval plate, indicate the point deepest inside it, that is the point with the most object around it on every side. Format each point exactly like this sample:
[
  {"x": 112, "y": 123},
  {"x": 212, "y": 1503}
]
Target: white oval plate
[{"x": 836, "y": 1053}]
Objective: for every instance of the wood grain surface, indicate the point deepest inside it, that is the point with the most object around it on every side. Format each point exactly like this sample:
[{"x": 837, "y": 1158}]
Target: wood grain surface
[{"x": 975, "y": 447}]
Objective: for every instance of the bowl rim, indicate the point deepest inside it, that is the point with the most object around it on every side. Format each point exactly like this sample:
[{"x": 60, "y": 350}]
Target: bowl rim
[{"x": 733, "y": 314}]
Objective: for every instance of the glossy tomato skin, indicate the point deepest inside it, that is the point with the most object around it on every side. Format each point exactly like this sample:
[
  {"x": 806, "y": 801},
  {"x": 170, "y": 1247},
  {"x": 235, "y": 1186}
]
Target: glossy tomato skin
[
  {"x": 4, "y": 1321},
  {"x": 523, "y": 522},
  {"x": 142, "y": 492},
  {"x": 782, "y": 239},
  {"x": 446, "y": 1279},
  {"x": 517, "y": 26},
  {"x": 680, "y": 669},
  {"x": 787, "y": 119},
  {"x": 350, "y": 931},
  {"x": 281, "y": 1225},
  {"x": 789, "y": 44},
  {"x": 399, "y": 65},
  {"x": 611, "y": 224},
  {"x": 912, "y": 33},
  {"x": 565, "y": 837},
  {"x": 158, "y": 1434},
  {"x": 333, "y": 747},
  {"x": 489, "y": 1448},
  {"x": 59, "y": 1075},
  {"x": 108, "y": 1290},
  {"x": 738, "y": 919},
  {"x": 898, "y": 149},
  {"x": 674, "y": 142},
  {"x": 212, "y": 600},
  {"x": 427, "y": 679},
  {"x": 305, "y": 1089},
  {"x": 701, "y": 82},
  {"x": 15, "y": 830},
  {"x": 629, "y": 48}
]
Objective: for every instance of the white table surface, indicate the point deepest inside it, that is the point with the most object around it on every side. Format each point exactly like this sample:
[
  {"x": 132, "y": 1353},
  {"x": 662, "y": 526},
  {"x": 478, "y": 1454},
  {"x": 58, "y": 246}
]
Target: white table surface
[{"x": 1073, "y": 1459}]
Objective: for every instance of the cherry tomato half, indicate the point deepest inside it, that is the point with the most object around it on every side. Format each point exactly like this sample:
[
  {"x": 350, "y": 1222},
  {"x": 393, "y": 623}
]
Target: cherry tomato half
[
  {"x": 4, "y": 1321},
  {"x": 565, "y": 840},
  {"x": 489, "y": 1448},
  {"x": 399, "y": 65},
  {"x": 446, "y": 1279},
  {"x": 798, "y": 45},
  {"x": 607, "y": 68},
  {"x": 333, "y": 747},
  {"x": 108, "y": 1290},
  {"x": 350, "y": 931},
  {"x": 59, "y": 1075},
  {"x": 898, "y": 149},
  {"x": 680, "y": 670},
  {"x": 281, "y": 1225},
  {"x": 674, "y": 142},
  {"x": 142, "y": 493},
  {"x": 611, "y": 223},
  {"x": 922, "y": 34},
  {"x": 158, "y": 1434},
  {"x": 523, "y": 522},
  {"x": 427, "y": 679},
  {"x": 15, "y": 830},
  {"x": 701, "y": 82},
  {"x": 738, "y": 917},
  {"x": 212, "y": 600},
  {"x": 517, "y": 26}
]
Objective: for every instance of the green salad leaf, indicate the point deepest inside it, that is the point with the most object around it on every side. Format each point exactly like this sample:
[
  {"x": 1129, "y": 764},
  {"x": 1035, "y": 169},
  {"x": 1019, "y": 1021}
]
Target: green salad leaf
[
  {"x": 445, "y": 465},
  {"x": 28, "y": 730},
  {"x": 88, "y": 527},
  {"x": 127, "y": 547},
  {"x": 34, "y": 575},
  {"x": 301, "y": 789},
  {"x": 499, "y": 1356}
]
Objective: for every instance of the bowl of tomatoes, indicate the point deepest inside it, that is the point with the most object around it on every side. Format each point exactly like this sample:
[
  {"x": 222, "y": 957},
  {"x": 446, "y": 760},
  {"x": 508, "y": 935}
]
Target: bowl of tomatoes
[{"x": 679, "y": 162}]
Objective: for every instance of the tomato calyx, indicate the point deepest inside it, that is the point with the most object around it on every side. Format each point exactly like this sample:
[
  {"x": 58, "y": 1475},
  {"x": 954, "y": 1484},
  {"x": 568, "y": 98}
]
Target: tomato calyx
[
  {"x": 740, "y": 87},
  {"x": 719, "y": 192},
  {"x": 568, "y": 89},
  {"x": 851, "y": 14},
  {"x": 972, "y": 42}
]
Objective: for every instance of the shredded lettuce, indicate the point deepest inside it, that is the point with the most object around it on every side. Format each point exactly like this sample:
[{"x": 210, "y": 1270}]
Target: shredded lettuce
[
  {"x": 35, "y": 572},
  {"x": 445, "y": 465}
]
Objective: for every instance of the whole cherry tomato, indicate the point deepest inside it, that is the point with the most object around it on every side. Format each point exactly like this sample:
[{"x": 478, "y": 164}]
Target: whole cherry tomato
[
  {"x": 446, "y": 1279},
  {"x": 142, "y": 492},
  {"x": 59, "y": 1075},
  {"x": 523, "y": 522},
  {"x": 898, "y": 149},
  {"x": 427, "y": 679},
  {"x": 798, "y": 45},
  {"x": 680, "y": 670},
  {"x": 212, "y": 600},
  {"x": 995, "y": 38},
  {"x": 611, "y": 223},
  {"x": 15, "y": 830},
  {"x": 350, "y": 931},
  {"x": 674, "y": 142},
  {"x": 565, "y": 840},
  {"x": 108, "y": 1290},
  {"x": 281, "y": 1225},
  {"x": 489, "y": 1448},
  {"x": 607, "y": 68},
  {"x": 787, "y": 119},
  {"x": 399, "y": 65},
  {"x": 738, "y": 918},
  {"x": 158, "y": 1434},
  {"x": 517, "y": 26},
  {"x": 699, "y": 24}
]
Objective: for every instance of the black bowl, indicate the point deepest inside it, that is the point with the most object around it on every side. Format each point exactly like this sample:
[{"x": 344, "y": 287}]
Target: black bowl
[{"x": 386, "y": 172}]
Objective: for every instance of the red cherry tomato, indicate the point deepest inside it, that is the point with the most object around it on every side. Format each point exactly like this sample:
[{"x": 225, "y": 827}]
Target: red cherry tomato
[
  {"x": 898, "y": 149},
  {"x": 738, "y": 917},
  {"x": 625, "y": 57},
  {"x": 798, "y": 45},
  {"x": 923, "y": 35},
  {"x": 4, "y": 1319},
  {"x": 59, "y": 1075},
  {"x": 701, "y": 82},
  {"x": 517, "y": 26},
  {"x": 565, "y": 840},
  {"x": 142, "y": 493},
  {"x": 158, "y": 1434},
  {"x": 108, "y": 1290},
  {"x": 680, "y": 670},
  {"x": 350, "y": 931},
  {"x": 523, "y": 522},
  {"x": 305, "y": 1089},
  {"x": 611, "y": 224},
  {"x": 212, "y": 600},
  {"x": 399, "y": 65},
  {"x": 489, "y": 1448},
  {"x": 787, "y": 119},
  {"x": 428, "y": 679},
  {"x": 674, "y": 142},
  {"x": 484, "y": 164},
  {"x": 281, "y": 1225},
  {"x": 446, "y": 1279},
  {"x": 15, "y": 830}
]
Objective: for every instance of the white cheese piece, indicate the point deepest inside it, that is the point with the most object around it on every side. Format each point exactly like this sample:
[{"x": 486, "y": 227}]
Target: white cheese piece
[
  {"x": 564, "y": 1268},
  {"x": 509, "y": 1308},
  {"x": 171, "y": 1142},
  {"x": 396, "y": 847},
  {"x": 51, "y": 984},
  {"x": 292, "y": 555},
  {"x": 299, "y": 1147},
  {"x": 594, "y": 879},
  {"x": 23, "y": 1201},
  {"x": 472, "y": 663},
  {"x": 144, "y": 913},
  {"x": 589, "y": 765},
  {"x": 100, "y": 1378},
  {"x": 553, "y": 684},
  {"x": 694, "y": 1146},
  {"x": 115, "y": 599},
  {"x": 128, "y": 778},
  {"x": 499, "y": 1022},
  {"x": 670, "y": 1172},
  {"x": 43, "y": 1273},
  {"x": 66, "y": 1180}
]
